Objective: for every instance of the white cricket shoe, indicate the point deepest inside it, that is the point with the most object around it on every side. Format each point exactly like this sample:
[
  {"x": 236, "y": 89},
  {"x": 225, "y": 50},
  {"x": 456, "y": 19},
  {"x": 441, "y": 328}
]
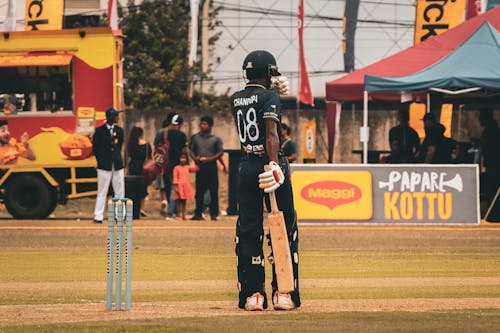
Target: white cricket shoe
[
  {"x": 255, "y": 302},
  {"x": 283, "y": 302},
  {"x": 164, "y": 207}
]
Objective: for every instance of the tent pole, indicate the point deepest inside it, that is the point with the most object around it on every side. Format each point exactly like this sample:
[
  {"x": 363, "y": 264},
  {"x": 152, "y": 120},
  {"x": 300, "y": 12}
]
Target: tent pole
[
  {"x": 428, "y": 106},
  {"x": 364, "y": 132}
]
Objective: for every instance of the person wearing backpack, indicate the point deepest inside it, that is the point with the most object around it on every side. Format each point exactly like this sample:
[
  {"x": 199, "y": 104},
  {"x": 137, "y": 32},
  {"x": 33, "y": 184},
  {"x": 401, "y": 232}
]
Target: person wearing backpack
[{"x": 176, "y": 146}]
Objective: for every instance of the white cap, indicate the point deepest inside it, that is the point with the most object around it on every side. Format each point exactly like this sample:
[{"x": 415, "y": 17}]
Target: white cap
[{"x": 175, "y": 119}]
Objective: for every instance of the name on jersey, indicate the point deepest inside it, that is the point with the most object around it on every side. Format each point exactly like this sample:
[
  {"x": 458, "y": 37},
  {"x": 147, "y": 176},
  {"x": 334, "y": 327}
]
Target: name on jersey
[
  {"x": 254, "y": 148},
  {"x": 245, "y": 100}
]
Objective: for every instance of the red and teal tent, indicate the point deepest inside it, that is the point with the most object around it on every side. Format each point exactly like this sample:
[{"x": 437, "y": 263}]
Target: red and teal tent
[{"x": 350, "y": 88}]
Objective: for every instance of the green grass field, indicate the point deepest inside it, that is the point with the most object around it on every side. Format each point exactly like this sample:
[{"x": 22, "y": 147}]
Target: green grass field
[{"x": 353, "y": 279}]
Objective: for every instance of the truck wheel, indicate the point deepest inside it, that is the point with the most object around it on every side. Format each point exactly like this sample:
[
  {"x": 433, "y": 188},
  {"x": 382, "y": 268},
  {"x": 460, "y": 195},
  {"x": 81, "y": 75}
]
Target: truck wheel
[{"x": 29, "y": 197}]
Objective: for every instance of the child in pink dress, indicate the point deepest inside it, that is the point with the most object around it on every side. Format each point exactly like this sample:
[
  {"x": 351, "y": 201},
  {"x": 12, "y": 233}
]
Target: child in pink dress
[{"x": 182, "y": 186}]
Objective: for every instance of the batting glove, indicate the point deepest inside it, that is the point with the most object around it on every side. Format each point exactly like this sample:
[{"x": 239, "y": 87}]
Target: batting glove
[
  {"x": 270, "y": 180},
  {"x": 280, "y": 84}
]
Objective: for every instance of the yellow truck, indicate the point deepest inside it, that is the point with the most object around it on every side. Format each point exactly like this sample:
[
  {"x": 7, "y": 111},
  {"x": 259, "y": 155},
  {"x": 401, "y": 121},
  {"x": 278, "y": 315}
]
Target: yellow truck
[{"x": 54, "y": 89}]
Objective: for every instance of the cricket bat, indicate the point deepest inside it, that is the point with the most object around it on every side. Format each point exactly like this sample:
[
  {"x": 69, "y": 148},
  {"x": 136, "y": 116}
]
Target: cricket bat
[{"x": 280, "y": 246}]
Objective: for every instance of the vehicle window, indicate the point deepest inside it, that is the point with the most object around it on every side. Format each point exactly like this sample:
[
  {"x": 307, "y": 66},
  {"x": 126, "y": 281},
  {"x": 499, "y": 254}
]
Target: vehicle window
[{"x": 35, "y": 88}]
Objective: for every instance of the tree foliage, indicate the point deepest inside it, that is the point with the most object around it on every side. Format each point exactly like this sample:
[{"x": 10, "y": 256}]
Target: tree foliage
[{"x": 156, "y": 48}]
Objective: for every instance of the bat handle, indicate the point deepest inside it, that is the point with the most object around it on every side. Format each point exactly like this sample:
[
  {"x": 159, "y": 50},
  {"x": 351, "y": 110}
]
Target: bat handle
[{"x": 272, "y": 195}]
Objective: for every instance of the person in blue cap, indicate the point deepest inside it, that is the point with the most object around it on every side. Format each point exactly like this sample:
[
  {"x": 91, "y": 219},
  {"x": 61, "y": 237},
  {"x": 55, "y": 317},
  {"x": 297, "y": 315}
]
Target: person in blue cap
[{"x": 107, "y": 147}]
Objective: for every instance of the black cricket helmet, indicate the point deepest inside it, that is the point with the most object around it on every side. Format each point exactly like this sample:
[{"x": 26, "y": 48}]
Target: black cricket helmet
[{"x": 261, "y": 61}]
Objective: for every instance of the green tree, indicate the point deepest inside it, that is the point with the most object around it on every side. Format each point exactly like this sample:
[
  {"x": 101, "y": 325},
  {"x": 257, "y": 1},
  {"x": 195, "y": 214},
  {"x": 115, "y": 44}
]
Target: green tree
[{"x": 155, "y": 50}]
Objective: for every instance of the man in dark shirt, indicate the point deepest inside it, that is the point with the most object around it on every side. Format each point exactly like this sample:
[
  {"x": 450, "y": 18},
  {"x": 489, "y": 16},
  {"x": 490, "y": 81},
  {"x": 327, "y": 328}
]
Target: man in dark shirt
[
  {"x": 107, "y": 146},
  {"x": 436, "y": 148},
  {"x": 403, "y": 140},
  {"x": 288, "y": 146},
  {"x": 177, "y": 140},
  {"x": 490, "y": 146},
  {"x": 206, "y": 149}
]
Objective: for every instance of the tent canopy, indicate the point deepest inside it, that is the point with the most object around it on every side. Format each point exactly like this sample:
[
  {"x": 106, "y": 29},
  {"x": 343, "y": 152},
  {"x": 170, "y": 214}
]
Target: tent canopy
[
  {"x": 411, "y": 60},
  {"x": 474, "y": 64}
]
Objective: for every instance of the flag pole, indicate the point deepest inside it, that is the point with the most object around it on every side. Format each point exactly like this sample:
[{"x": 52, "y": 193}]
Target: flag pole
[
  {"x": 296, "y": 129},
  {"x": 298, "y": 56}
]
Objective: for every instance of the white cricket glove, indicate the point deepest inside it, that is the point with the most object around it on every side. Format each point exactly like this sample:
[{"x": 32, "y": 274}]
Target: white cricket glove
[
  {"x": 280, "y": 84},
  {"x": 270, "y": 180}
]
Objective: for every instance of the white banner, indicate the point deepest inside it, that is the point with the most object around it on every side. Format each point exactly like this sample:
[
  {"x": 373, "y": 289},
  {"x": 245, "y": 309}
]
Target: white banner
[
  {"x": 10, "y": 18},
  {"x": 113, "y": 14}
]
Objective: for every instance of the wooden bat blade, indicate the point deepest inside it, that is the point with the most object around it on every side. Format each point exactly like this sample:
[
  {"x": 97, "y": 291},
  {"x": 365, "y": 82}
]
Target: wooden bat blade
[{"x": 281, "y": 252}]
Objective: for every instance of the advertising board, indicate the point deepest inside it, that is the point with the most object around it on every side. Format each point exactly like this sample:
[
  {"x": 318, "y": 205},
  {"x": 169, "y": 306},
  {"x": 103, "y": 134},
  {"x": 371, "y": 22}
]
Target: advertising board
[{"x": 421, "y": 194}]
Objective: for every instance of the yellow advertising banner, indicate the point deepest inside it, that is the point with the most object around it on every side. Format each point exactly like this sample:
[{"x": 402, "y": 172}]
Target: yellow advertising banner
[
  {"x": 333, "y": 195},
  {"x": 44, "y": 15},
  {"x": 417, "y": 112},
  {"x": 309, "y": 139},
  {"x": 391, "y": 193},
  {"x": 446, "y": 118},
  {"x": 436, "y": 16}
]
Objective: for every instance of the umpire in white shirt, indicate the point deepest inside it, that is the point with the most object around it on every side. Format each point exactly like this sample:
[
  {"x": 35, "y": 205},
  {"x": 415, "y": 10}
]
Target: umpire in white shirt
[{"x": 107, "y": 147}]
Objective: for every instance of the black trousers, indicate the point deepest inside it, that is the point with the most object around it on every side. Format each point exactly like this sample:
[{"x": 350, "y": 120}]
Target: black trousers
[
  {"x": 168, "y": 183},
  {"x": 250, "y": 230},
  {"x": 207, "y": 178}
]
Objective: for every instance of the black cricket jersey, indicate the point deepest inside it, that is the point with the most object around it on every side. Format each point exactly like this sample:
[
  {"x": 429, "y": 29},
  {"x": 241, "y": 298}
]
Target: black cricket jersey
[{"x": 251, "y": 107}]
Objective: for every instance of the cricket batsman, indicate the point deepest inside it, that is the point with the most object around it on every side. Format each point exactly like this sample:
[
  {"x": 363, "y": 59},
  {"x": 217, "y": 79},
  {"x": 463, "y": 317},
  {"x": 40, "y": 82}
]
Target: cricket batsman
[{"x": 257, "y": 114}]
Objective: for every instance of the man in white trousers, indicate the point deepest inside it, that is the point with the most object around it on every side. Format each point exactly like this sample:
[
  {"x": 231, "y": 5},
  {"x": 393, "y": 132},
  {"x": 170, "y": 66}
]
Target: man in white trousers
[{"x": 107, "y": 147}]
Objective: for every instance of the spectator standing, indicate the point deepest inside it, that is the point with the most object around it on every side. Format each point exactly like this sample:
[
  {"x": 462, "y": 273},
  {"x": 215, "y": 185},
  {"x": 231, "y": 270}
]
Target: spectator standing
[
  {"x": 183, "y": 190},
  {"x": 107, "y": 147},
  {"x": 396, "y": 156},
  {"x": 159, "y": 183},
  {"x": 403, "y": 140},
  {"x": 177, "y": 140},
  {"x": 138, "y": 150},
  {"x": 429, "y": 144},
  {"x": 459, "y": 154},
  {"x": 435, "y": 148},
  {"x": 490, "y": 146},
  {"x": 206, "y": 195},
  {"x": 206, "y": 149},
  {"x": 445, "y": 147},
  {"x": 288, "y": 146}
]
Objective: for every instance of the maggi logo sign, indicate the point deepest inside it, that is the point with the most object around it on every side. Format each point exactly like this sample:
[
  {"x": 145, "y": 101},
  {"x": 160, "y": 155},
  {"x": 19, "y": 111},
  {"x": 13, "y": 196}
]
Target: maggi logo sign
[{"x": 331, "y": 193}]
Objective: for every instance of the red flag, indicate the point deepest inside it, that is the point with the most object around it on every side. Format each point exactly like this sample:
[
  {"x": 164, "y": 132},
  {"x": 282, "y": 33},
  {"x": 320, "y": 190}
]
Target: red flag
[
  {"x": 305, "y": 95},
  {"x": 113, "y": 14},
  {"x": 473, "y": 8}
]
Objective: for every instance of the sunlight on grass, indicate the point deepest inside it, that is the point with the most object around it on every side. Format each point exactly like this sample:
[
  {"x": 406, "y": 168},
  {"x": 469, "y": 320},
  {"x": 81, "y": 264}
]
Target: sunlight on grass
[{"x": 346, "y": 322}]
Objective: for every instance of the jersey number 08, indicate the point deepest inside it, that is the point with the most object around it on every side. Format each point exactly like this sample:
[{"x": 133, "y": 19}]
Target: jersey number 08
[{"x": 247, "y": 125}]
